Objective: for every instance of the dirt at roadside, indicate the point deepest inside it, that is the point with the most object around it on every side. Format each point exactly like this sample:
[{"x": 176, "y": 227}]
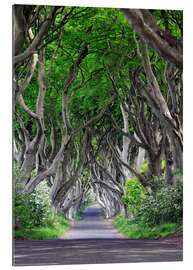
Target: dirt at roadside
[{"x": 175, "y": 238}]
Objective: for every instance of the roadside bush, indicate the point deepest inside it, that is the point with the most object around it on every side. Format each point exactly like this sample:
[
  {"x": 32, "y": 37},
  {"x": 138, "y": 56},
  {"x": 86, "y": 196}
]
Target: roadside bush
[
  {"x": 134, "y": 195},
  {"x": 164, "y": 205},
  {"x": 152, "y": 208},
  {"x": 58, "y": 226},
  {"x": 34, "y": 210}
]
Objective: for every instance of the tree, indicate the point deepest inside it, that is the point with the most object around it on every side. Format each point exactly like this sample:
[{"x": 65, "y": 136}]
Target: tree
[
  {"x": 162, "y": 41},
  {"x": 91, "y": 100}
]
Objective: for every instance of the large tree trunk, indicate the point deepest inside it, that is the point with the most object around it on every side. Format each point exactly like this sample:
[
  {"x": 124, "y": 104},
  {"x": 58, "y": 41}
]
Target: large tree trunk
[
  {"x": 171, "y": 124},
  {"x": 154, "y": 163},
  {"x": 139, "y": 160},
  {"x": 21, "y": 15},
  {"x": 143, "y": 22},
  {"x": 168, "y": 161}
]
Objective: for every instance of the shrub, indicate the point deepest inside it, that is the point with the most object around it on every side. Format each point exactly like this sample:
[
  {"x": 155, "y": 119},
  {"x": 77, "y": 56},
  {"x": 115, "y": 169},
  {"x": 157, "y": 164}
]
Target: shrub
[
  {"x": 58, "y": 226},
  {"x": 163, "y": 205},
  {"x": 34, "y": 210},
  {"x": 134, "y": 195},
  {"x": 152, "y": 208}
]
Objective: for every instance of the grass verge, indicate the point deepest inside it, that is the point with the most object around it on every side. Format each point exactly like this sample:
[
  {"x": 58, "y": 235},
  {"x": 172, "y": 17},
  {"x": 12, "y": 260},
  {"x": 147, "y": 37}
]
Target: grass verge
[
  {"x": 136, "y": 231},
  {"x": 54, "y": 229}
]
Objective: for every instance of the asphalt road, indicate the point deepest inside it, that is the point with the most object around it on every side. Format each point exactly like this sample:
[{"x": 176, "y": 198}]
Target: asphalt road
[
  {"x": 93, "y": 241},
  {"x": 92, "y": 226}
]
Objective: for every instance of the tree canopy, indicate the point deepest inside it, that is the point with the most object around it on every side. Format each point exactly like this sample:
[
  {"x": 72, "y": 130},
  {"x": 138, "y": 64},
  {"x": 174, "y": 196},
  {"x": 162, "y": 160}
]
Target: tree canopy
[{"x": 97, "y": 93}]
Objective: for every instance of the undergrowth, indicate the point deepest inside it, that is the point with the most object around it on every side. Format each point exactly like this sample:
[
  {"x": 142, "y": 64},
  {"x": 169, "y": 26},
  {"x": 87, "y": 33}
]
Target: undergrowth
[
  {"x": 53, "y": 229},
  {"x": 136, "y": 231},
  {"x": 154, "y": 211}
]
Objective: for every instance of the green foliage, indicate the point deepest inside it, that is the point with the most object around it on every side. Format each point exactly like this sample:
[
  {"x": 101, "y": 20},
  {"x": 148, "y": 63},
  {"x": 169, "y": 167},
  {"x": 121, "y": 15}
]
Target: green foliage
[
  {"x": 134, "y": 195},
  {"x": 178, "y": 173},
  {"x": 172, "y": 18},
  {"x": 136, "y": 231},
  {"x": 152, "y": 208},
  {"x": 163, "y": 164},
  {"x": 164, "y": 205},
  {"x": 144, "y": 167},
  {"x": 55, "y": 228},
  {"x": 34, "y": 210},
  {"x": 109, "y": 39},
  {"x": 32, "y": 214}
]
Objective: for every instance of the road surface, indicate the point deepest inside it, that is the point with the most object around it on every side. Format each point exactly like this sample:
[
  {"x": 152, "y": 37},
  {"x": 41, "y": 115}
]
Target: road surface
[{"x": 93, "y": 240}]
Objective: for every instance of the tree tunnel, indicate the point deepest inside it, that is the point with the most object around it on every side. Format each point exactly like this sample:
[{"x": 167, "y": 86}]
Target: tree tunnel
[{"x": 96, "y": 103}]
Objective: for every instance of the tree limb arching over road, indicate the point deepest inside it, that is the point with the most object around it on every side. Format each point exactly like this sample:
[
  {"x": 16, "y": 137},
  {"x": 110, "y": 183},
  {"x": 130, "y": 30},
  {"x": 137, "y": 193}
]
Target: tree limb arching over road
[{"x": 98, "y": 118}]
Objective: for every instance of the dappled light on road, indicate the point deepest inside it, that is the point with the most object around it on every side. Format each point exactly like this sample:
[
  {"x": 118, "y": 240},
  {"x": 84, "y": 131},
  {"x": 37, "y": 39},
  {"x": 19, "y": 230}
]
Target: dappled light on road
[{"x": 93, "y": 240}]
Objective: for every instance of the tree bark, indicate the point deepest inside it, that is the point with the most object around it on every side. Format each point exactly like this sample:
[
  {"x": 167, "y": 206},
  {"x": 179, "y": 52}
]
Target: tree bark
[
  {"x": 20, "y": 58},
  {"x": 153, "y": 35}
]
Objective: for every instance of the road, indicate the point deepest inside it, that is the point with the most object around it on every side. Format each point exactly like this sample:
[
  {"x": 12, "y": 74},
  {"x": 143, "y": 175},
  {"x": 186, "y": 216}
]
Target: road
[
  {"x": 93, "y": 240},
  {"x": 92, "y": 226}
]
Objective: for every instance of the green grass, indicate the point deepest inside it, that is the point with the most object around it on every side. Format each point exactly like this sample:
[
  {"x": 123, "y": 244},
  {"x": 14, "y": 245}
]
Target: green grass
[
  {"x": 136, "y": 231},
  {"x": 54, "y": 229}
]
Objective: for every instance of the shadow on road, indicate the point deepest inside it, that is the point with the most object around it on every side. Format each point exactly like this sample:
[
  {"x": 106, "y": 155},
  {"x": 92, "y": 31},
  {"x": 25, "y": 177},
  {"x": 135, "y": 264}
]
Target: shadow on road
[
  {"x": 93, "y": 241},
  {"x": 93, "y": 251}
]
